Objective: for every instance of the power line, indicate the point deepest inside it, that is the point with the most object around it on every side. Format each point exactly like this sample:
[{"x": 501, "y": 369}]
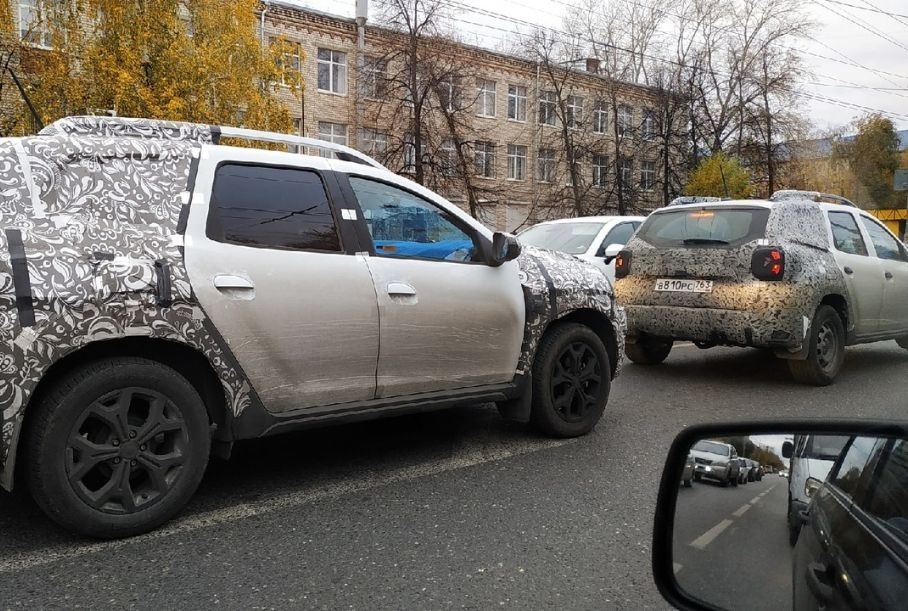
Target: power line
[
  {"x": 873, "y": 9},
  {"x": 863, "y": 25}
]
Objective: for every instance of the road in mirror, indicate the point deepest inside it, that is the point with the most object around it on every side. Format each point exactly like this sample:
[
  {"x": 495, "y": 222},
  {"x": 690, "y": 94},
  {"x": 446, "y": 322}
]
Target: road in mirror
[{"x": 797, "y": 522}]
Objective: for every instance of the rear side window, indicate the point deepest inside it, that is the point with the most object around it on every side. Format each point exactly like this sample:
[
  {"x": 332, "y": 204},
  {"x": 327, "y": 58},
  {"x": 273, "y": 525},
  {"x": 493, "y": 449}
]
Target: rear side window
[
  {"x": 271, "y": 207},
  {"x": 886, "y": 246},
  {"x": 705, "y": 226},
  {"x": 855, "y": 468},
  {"x": 846, "y": 236}
]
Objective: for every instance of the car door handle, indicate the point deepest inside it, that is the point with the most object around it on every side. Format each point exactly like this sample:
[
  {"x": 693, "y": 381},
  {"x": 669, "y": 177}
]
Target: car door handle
[
  {"x": 848, "y": 270},
  {"x": 231, "y": 281},
  {"x": 888, "y": 275},
  {"x": 400, "y": 288},
  {"x": 818, "y": 581}
]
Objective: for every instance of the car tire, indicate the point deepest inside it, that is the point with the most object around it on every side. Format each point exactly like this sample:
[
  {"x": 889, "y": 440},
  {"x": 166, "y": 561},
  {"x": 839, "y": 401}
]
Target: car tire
[
  {"x": 902, "y": 342},
  {"x": 826, "y": 350},
  {"x": 648, "y": 351},
  {"x": 571, "y": 381},
  {"x": 697, "y": 477},
  {"x": 688, "y": 483},
  {"x": 117, "y": 447}
]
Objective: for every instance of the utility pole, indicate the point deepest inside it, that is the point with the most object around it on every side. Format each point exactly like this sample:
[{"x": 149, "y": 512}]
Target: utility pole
[{"x": 362, "y": 15}]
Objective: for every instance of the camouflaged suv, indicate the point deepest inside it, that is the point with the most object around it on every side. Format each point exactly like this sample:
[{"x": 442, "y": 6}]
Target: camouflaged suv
[
  {"x": 803, "y": 274},
  {"x": 164, "y": 296}
]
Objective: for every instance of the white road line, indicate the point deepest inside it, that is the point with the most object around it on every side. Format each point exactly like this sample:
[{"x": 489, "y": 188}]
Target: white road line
[
  {"x": 358, "y": 483},
  {"x": 706, "y": 538},
  {"x": 756, "y": 499},
  {"x": 741, "y": 510},
  {"x": 677, "y": 567}
]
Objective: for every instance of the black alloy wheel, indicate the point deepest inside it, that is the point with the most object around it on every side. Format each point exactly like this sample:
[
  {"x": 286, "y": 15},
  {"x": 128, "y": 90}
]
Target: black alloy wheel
[{"x": 576, "y": 381}]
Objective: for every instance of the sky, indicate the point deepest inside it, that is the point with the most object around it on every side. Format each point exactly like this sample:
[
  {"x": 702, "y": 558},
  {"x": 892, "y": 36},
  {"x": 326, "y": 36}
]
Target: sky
[{"x": 851, "y": 31}]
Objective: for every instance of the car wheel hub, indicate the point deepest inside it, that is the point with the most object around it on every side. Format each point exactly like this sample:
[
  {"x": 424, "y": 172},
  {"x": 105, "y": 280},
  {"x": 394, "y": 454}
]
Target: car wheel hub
[
  {"x": 576, "y": 382},
  {"x": 827, "y": 346}
]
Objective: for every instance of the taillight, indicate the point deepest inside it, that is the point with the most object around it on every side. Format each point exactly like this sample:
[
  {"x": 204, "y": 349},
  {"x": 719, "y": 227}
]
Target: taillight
[
  {"x": 623, "y": 264},
  {"x": 768, "y": 263}
]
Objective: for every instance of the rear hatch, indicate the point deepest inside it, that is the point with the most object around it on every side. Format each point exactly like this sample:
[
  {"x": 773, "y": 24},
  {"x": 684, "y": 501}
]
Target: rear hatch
[{"x": 711, "y": 244}]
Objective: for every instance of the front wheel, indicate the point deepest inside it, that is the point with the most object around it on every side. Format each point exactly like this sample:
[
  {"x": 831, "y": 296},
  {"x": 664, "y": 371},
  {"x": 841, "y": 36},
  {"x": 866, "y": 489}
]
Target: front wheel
[
  {"x": 648, "y": 350},
  {"x": 571, "y": 381},
  {"x": 117, "y": 447},
  {"x": 826, "y": 350}
]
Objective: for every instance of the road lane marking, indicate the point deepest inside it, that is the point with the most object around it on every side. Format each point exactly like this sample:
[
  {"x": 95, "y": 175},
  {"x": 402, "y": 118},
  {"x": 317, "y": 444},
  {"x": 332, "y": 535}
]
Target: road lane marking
[
  {"x": 362, "y": 481},
  {"x": 706, "y": 538},
  {"x": 756, "y": 499},
  {"x": 741, "y": 510},
  {"x": 677, "y": 567}
]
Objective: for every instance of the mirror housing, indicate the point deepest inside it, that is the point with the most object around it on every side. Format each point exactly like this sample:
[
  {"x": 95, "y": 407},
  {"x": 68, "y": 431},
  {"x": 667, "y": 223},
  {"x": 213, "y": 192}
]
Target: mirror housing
[
  {"x": 611, "y": 251},
  {"x": 787, "y": 449},
  {"x": 505, "y": 247}
]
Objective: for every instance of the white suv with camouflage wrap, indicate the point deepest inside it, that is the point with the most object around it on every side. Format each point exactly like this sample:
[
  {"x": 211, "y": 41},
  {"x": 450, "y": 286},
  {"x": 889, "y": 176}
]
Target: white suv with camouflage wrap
[
  {"x": 796, "y": 274},
  {"x": 164, "y": 296}
]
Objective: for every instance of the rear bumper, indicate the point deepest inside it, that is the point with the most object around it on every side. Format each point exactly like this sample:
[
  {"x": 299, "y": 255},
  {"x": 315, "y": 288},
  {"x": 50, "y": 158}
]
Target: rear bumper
[{"x": 784, "y": 329}]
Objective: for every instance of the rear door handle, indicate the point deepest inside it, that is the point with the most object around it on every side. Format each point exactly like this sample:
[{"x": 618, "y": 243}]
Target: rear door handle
[
  {"x": 400, "y": 288},
  {"x": 231, "y": 281},
  {"x": 848, "y": 270},
  {"x": 888, "y": 275}
]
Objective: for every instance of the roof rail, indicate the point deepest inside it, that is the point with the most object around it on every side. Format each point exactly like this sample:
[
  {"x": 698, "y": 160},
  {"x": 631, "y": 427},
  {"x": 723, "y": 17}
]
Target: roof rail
[
  {"x": 814, "y": 196},
  {"x": 199, "y": 132}
]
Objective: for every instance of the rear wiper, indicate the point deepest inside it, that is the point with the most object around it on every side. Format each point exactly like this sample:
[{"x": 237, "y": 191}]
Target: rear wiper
[{"x": 704, "y": 241}]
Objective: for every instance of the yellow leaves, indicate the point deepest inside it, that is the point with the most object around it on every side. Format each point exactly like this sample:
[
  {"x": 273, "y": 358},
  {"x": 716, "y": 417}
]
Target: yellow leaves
[{"x": 719, "y": 176}]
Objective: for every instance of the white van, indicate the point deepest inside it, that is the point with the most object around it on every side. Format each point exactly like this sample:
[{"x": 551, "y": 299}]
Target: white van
[{"x": 812, "y": 457}]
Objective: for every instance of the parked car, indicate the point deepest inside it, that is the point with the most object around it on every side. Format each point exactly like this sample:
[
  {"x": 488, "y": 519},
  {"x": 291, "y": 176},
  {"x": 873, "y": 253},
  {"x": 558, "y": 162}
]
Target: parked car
[
  {"x": 800, "y": 277},
  {"x": 585, "y": 237},
  {"x": 812, "y": 457},
  {"x": 853, "y": 548},
  {"x": 166, "y": 295},
  {"x": 687, "y": 476},
  {"x": 716, "y": 460}
]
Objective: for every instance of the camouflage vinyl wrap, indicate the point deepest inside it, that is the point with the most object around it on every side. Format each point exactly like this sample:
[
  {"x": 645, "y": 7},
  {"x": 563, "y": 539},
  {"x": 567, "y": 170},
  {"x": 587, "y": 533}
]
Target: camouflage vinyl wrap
[
  {"x": 556, "y": 284},
  {"x": 740, "y": 310},
  {"x": 95, "y": 214}
]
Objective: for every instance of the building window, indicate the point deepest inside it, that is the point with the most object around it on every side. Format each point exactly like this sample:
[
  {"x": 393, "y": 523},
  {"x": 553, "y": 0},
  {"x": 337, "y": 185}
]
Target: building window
[
  {"x": 447, "y": 158},
  {"x": 648, "y": 126},
  {"x": 288, "y": 59},
  {"x": 486, "y": 98},
  {"x": 332, "y": 71},
  {"x": 625, "y": 174},
  {"x": 517, "y": 103},
  {"x": 517, "y": 162},
  {"x": 332, "y": 132},
  {"x": 548, "y": 105},
  {"x": 545, "y": 165},
  {"x": 648, "y": 175},
  {"x": 485, "y": 159},
  {"x": 375, "y": 76},
  {"x": 625, "y": 120},
  {"x": 373, "y": 142},
  {"x": 574, "y": 109},
  {"x": 600, "y": 170},
  {"x": 600, "y": 118},
  {"x": 33, "y": 23},
  {"x": 449, "y": 95}
]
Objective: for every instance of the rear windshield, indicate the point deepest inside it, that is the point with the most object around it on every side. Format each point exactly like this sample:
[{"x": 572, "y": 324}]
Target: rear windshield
[
  {"x": 573, "y": 238},
  {"x": 704, "y": 227},
  {"x": 712, "y": 447}
]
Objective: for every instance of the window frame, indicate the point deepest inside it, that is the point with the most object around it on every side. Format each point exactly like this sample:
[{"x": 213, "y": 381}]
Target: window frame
[
  {"x": 864, "y": 220},
  {"x": 573, "y": 106},
  {"x": 519, "y": 101},
  {"x": 332, "y": 64},
  {"x": 600, "y": 171},
  {"x": 549, "y": 176},
  {"x": 483, "y": 95},
  {"x": 375, "y": 70},
  {"x": 487, "y": 149},
  {"x": 647, "y": 188},
  {"x": 43, "y": 32},
  {"x": 648, "y": 126},
  {"x": 551, "y": 106},
  {"x": 857, "y": 226},
  {"x": 519, "y": 161},
  {"x": 624, "y": 120},
  {"x": 600, "y": 118}
]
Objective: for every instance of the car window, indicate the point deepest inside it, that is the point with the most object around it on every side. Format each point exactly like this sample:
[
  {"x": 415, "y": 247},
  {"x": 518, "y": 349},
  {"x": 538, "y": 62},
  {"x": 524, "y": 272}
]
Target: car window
[
  {"x": 855, "y": 466},
  {"x": 694, "y": 227},
  {"x": 712, "y": 447},
  {"x": 846, "y": 237},
  {"x": 271, "y": 207},
  {"x": 618, "y": 235},
  {"x": 823, "y": 447},
  {"x": 572, "y": 238},
  {"x": 886, "y": 246},
  {"x": 405, "y": 225},
  {"x": 888, "y": 498}
]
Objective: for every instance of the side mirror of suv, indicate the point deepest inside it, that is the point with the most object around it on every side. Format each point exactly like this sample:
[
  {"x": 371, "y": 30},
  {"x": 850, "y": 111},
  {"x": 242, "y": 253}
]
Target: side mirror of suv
[
  {"x": 505, "y": 247},
  {"x": 787, "y": 449},
  {"x": 611, "y": 251}
]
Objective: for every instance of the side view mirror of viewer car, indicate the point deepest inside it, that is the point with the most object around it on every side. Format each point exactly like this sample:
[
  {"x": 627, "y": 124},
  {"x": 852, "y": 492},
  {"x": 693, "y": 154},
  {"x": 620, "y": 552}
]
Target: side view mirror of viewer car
[
  {"x": 834, "y": 535},
  {"x": 505, "y": 247},
  {"x": 611, "y": 251}
]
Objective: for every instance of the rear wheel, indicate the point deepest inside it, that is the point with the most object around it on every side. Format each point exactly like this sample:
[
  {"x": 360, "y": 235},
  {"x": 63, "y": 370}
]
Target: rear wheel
[
  {"x": 571, "y": 381},
  {"x": 826, "y": 350},
  {"x": 648, "y": 350},
  {"x": 117, "y": 447}
]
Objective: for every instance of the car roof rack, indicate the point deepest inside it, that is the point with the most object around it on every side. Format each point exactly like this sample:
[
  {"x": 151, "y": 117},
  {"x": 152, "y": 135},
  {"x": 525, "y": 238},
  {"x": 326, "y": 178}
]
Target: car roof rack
[
  {"x": 200, "y": 132},
  {"x": 814, "y": 196},
  {"x": 684, "y": 200}
]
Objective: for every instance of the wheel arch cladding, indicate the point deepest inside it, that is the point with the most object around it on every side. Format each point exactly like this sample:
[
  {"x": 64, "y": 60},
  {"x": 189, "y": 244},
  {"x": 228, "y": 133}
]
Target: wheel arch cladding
[
  {"x": 98, "y": 220},
  {"x": 840, "y": 305},
  {"x": 559, "y": 287}
]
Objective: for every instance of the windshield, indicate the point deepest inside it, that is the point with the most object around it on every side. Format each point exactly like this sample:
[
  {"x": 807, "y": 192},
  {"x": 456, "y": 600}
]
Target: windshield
[
  {"x": 704, "y": 226},
  {"x": 824, "y": 447},
  {"x": 572, "y": 238},
  {"x": 712, "y": 447}
]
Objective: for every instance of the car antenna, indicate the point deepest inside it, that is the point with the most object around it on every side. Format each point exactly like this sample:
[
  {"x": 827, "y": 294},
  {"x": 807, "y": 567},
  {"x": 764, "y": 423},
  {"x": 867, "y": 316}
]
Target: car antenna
[{"x": 28, "y": 101}]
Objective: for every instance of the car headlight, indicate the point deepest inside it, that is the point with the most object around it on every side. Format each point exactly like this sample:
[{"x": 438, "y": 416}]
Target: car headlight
[{"x": 811, "y": 486}]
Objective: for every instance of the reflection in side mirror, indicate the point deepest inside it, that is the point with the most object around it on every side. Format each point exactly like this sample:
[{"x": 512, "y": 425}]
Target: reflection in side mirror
[
  {"x": 787, "y": 449},
  {"x": 804, "y": 545},
  {"x": 505, "y": 247},
  {"x": 611, "y": 251}
]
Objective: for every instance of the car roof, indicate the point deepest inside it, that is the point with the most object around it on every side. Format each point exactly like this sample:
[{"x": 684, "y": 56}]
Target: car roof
[
  {"x": 756, "y": 203},
  {"x": 592, "y": 219}
]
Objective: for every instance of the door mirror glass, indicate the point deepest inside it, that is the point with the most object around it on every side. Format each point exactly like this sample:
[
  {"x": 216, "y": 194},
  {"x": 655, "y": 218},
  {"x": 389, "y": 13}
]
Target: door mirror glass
[
  {"x": 821, "y": 528},
  {"x": 505, "y": 247},
  {"x": 611, "y": 251}
]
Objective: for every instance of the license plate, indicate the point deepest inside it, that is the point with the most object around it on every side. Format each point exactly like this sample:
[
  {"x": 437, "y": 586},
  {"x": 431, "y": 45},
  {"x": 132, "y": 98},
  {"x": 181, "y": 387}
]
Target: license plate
[{"x": 684, "y": 286}]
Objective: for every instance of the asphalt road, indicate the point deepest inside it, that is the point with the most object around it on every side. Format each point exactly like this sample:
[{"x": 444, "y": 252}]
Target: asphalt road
[
  {"x": 454, "y": 509},
  {"x": 731, "y": 544}
]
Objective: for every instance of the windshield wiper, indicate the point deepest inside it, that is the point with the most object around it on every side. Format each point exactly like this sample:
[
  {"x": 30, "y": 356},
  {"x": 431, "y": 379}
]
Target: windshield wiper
[{"x": 704, "y": 241}]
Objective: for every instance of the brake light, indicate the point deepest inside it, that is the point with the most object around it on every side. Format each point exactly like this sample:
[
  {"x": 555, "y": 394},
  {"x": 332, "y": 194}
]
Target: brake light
[
  {"x": 768, "y": 263},
  {"x": 623, "y": 264}
]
